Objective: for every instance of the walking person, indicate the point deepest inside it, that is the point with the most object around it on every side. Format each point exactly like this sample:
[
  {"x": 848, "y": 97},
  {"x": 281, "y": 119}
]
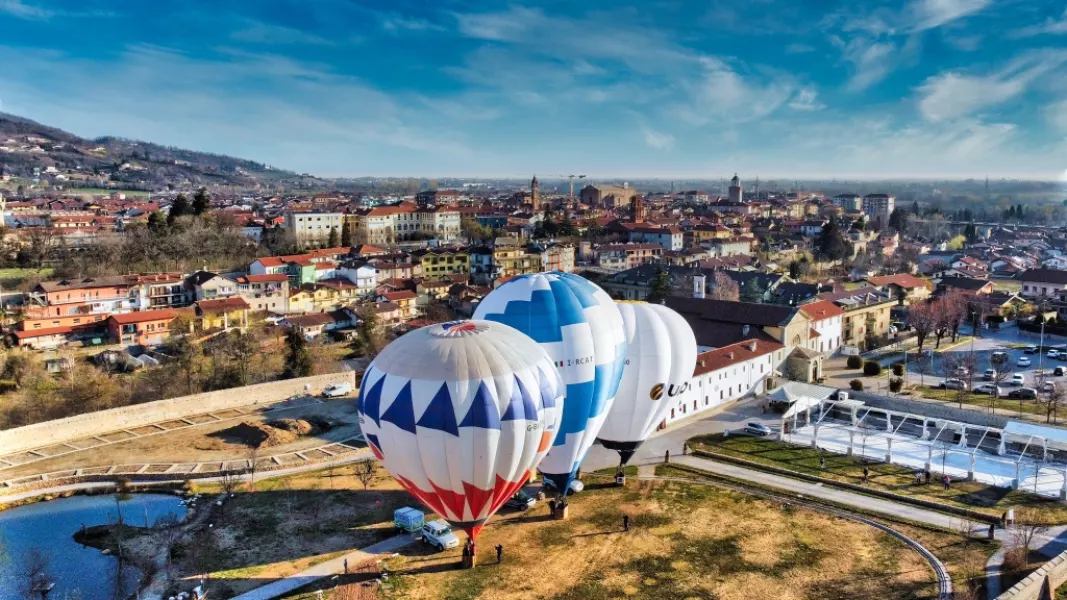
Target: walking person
[
  {"x": 667, "y": 456},
  {"x": 499, "y": 553},
  {"x": 626, "y": 522},
  {"x": 866, "y": 474},
  {"x": 822, "y": 462},
  {"x": 948, "y": 481},
  {"x": 918, "y": 478},
  {"x": 346, "y": 566}
]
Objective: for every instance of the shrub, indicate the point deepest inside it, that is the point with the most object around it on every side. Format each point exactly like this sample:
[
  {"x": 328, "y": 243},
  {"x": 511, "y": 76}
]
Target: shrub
[
  {"x": 872, "y": 369},
  {"x": 854, "y": 362},
  {"x": 856, "y": 385},
  {"x": 898, "y": 369},
  {"x": 896, "y": 384}
]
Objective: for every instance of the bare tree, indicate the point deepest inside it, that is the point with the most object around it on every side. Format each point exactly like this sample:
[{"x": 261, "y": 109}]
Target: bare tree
[
  {"x": 1050, "y": 400},
  {"x": 252, "y": 455},
  {"x": 1029, "y": 525},
  {"x": 959, "y": 365},
  {"x": 967, "y": 528},
  {"x": 228, "y": 481},
  {"x": 366, "y": 471},
  {"x": 923, "y": 364},
  {"x": 169, "y": 528},
  {"x": 1001, "y": 370},
  {"x": 723, "y": 287}
]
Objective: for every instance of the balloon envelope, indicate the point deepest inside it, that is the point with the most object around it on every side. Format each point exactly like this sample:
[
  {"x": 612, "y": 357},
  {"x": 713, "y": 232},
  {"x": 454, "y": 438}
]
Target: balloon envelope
[
  {"x": 461, "y": 414},
  {"x": 579, "y": 326},
  {"x": 661, "y": 354}
]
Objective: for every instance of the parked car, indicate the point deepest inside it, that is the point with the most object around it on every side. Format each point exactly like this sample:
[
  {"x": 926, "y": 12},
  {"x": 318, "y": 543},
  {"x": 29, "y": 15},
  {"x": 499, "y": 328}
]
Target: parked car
[
  {"x": 521, "y": 501},
  {"x": 438, "y": 534},
  {"x": 892, "y": 329},
  {"x": 335, "y": 390},
  {"x": 953, "y": 384},
  {"x": 990, "y": 374},
  {"x": 1030, "y": 350},
  {"x": 1023, "y": 361},
  {"x": 1053, "y": 353},
  {"x": 987, "y": 388},
  {"x": 1048, "y": 386},
  {"x": 1023, "y": 394},
  {"x": 1017, "y": 379},
  {"x": 757, "y": 429},
  {"x": 1059, "y": 372}
]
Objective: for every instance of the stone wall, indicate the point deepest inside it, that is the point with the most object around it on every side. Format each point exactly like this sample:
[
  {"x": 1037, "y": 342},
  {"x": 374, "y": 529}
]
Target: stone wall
[
  {"x": 933, "y": 410},
  {"x": 1042, "y": 583},
  {"x": 104, "y": 421}
]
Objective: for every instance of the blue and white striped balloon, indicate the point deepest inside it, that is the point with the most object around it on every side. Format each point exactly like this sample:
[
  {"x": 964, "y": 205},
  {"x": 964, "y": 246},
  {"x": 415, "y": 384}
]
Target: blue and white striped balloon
[{"x": 580, "y": 328}]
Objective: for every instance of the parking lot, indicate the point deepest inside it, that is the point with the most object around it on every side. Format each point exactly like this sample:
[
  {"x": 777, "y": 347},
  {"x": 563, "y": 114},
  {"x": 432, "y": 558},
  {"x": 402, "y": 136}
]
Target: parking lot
[{"x": 939, "y": 366}]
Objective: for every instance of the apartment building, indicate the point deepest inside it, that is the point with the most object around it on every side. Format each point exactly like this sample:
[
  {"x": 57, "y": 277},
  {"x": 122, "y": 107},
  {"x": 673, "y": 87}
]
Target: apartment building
[
  {"x": 622, "y": 257},
  {"x": 387, "y": 225},
  {"x": 313, "y": 228},
  {"x": 879, "y": 207},
  {"x": 867, "y": 314}
]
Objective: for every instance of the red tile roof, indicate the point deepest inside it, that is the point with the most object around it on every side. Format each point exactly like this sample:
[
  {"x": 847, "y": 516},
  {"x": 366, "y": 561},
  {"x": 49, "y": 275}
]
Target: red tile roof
[
  {"x": 144, "y": 316},
  {"x": 720, "y": 358},
  {"x": 268, "y": 278},
  {"x": 401, "y": 295},
  {"x": 35, "y": 333},
  {"x": 823, "y": 309},
  {"x": 904, "y": 280},
  {"x": 220, "y": 304}
]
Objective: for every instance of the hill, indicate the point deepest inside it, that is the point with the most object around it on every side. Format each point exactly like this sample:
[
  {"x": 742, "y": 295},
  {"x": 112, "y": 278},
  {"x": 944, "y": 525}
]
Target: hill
[{"x": 30, "y": 150}]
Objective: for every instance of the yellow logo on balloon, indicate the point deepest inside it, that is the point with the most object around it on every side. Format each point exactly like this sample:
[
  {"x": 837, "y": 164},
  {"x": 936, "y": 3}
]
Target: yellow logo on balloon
[{"x": 657, "y": 391}]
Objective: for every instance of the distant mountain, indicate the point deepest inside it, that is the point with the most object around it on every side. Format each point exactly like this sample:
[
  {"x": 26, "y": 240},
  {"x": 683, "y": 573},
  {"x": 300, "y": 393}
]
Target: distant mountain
[{"x": 30, "y": 150}]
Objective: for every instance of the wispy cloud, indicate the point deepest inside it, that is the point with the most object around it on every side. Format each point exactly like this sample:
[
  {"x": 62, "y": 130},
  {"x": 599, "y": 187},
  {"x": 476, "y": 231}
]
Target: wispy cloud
[
  {"x": 258, "y": 32},
  {"x": 806, "y": 99},
  {"x": 657, "y": 140},
  {"x": 36, "y": 12},
  {"x": 929, "y": 14},
  {"x": 394, "y": 23},
  {"x": 953, "y": 95},
  {"x": 723, "y": 93},
  {"x": 1057, "y": 26},
  {"x": 871, "y": 61},
  {"x": 1056, "y": 115},
  {"x": 798, "y": 48}
]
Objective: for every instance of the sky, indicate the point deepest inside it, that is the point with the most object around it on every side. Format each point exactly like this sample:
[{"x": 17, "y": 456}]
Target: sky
[{"x": 619, "y": 88}]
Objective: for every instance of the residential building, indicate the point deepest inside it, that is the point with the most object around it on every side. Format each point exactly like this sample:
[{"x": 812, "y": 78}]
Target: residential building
[
  {"x": 727, "y": 374},
  {"x": 668, "y": 237},
  {"x": 437, "y": 262},
  {"x": 268, "y": 292},
  {"x": 1043, "y": 282},
  {"x": 159, "y": 290},
  {"x": 849, "y": 202},
  {"x": 223, "y": 313},
  {"x": 878, "y": 207},
  {"x": 557, "y": 257},
  {"x": 607, "y": 196},
  {"x": 438, "y": 198},
  {"x": 387, "y": 225},
  {"x": 622, "y": 257},
  {"x": 145, "y": 328},
  {"x": 405, "y": 302},
  {"x": 206, "y": 285},
  {"x": 75, "y": 303},
  {"x": 314, "y": 228},
  {"x": 906, "y": 288},
  {"x": 314, "y": 325},
  {"x": 361, "y": 273},
  {"x": 867, "y": 314},
  {"x": 827, "y": 324}
]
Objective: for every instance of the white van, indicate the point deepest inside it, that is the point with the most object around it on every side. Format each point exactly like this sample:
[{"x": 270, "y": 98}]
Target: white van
[{"x": 335, "y": 390}]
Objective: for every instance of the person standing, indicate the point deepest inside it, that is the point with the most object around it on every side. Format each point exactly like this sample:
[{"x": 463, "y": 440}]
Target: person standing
[
  {"x": 667, "y": 456},
  {"x": 346, "y": 566},
  {"x": 626, "y": 522},
  {"x": 866, "y": 473},
  {"x": 822, "y": 462},
  {"x": 499, "y": 553}
]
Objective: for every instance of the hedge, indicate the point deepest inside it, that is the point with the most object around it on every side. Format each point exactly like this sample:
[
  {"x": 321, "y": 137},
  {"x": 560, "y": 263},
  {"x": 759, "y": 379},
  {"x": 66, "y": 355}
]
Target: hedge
[
  {"x": 854, "y": 362},
  {"x": 872, "y": 369}
]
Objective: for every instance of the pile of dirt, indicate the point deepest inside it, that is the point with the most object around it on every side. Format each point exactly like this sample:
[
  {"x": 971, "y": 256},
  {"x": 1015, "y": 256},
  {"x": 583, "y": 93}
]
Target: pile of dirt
[
  {"x": 309, "y": 426},
  {"x": 256, "y": 435}
]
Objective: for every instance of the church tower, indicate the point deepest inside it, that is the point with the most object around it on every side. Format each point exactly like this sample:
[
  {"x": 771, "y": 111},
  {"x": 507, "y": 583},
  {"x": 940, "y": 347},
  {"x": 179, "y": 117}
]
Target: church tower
[
  {"x": 736, "y": 195},
  {"x": 535, "y": 193}
]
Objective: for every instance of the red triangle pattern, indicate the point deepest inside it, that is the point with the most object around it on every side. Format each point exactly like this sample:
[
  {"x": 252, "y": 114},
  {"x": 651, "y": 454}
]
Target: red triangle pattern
[
  {"x": 424, "y": 497},
  {"x": 445, "y": 502},
  {"x": 453, "y": 501},
  {"x": 477, "y": 498}
]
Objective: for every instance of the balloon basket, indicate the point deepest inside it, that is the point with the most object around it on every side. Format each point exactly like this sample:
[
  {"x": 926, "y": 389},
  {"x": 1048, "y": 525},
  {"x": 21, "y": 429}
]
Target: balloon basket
[
  {"x": 561, "y": 513},
  {"x": 469, "y": 562}
]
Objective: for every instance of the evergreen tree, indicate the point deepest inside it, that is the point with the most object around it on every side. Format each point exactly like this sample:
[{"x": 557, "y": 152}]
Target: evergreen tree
[
  {"x": 180, "y": 208},
  {"x": 831, "y": 244},
  {"x": 298, "y": 361},
  {"x": 970, "y": 233},
  {"x": 371, "y": 338},
  {"x": 898, "y": 220},
  {"x": 346, "y": 233},
  {"x": 156, "y": 222},
  {"x": 201, "y": 201},
  {"x": 661, "y": 286},
  {"x": 333, "y": 239},
  {"x": 915, "y": 208}
]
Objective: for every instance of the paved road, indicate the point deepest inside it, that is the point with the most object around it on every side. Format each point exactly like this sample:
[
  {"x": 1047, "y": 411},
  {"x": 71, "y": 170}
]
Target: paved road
[{"x": 326, "y": 569}]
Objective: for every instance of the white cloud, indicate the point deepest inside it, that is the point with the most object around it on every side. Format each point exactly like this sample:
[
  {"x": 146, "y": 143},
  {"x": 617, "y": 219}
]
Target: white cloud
[
  {"x": 658, "y": 140},
  {"x": 953, "y": 95},
  {"x": 1050, "y": 26},
  {"x": 798, "y": 48},
  {"x": 396, "y": 23},
  {"x": 929, "y": 14},
  {"x": 1056, "y": 114},
  {"x": 722, "y": 93},
  {"x": 21, "y": 10},
  {"x": 257, "y": 32},
  {"x": 806, "y": 99},
  {"x": 871, "y": 61}
]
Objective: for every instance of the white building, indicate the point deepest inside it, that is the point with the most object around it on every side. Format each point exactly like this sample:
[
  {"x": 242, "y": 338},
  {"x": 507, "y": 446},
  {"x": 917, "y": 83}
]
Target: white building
[
  {"x": 849, "y": 202},
  {"x": 726, "y": 374},
  {"x": 826, "y": 320},
  {"x": 879, "y": 206},
  {"x": 363, "y": 275},
  {"x": 314, "y": 227},
  {"x": 384, "y": 225}
]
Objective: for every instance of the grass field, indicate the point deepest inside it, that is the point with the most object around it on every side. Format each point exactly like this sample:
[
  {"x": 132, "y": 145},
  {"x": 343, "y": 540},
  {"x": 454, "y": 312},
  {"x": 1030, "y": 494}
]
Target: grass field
[
  {"x": 16, "y": 275},
  {"x": 976, "y": 496},
  {"x": 685, "y": 541}
]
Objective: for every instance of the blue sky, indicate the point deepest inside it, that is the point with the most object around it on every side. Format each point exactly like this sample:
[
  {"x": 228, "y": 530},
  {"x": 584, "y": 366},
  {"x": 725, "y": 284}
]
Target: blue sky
[{"x": 667, "y": 88}]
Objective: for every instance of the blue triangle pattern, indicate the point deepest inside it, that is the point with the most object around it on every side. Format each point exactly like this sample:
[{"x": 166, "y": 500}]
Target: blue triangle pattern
[
  {"x": 483, "y": 412},
  {"x": 548, "y": 395},
  {"x": 440, "y": 414},
  {"x": 521, "y": 407},
  {"x": 402, "y": 412},
  {"x": 372, "y": 403}
]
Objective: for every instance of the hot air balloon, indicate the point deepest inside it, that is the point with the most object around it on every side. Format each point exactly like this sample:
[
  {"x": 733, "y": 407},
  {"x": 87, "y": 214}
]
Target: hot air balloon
[
  {"x": 661, "y": 353},
  {"x": 579, "y": 326},
  {"x": 461, "y": 414}
]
